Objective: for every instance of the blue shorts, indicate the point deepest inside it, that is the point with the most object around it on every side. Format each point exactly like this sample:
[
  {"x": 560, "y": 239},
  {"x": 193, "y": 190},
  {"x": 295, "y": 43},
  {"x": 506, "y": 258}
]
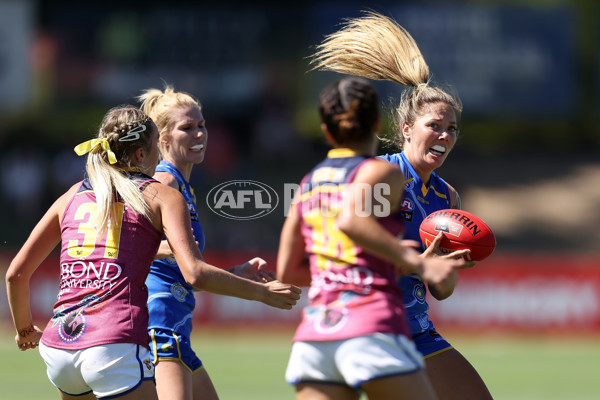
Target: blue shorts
[
  {"x": 430, "y": 343},
  {"x": 169, "y": 346}
]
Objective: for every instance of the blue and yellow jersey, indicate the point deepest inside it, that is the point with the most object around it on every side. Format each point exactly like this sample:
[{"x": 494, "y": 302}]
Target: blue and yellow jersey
[
  {"x": 352, "y": 291},
  {"x": 419, "y": 201},
  {"x": 171, "y": 299}
]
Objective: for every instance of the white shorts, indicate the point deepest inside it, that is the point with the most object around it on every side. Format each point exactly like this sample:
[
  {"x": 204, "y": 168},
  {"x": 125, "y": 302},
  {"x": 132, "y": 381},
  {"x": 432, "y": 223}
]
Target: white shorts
[
  {"x": 106, "y": 370},
  {"x": 354, "y": 361}
]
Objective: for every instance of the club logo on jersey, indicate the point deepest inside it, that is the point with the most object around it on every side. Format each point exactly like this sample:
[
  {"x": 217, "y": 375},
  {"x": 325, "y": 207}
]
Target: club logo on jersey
[
  {"x": 331, "y": 319},
  {"x": 408, "y": 208},
  {"x": 73, "y": 326},
  {"x": 242, "y": 200},
  {"x": 72, "y": 321},
  {"x": 419, "y": 293},
  {"x": 179, "y": 292},
  {"x": 333, "y": 316},
  {"x": 423, "y": 320}
]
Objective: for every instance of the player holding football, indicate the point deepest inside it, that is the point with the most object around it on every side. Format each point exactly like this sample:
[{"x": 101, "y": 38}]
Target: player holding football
[
  {"x": 353, "y": 336},
  {"x": 427, "y": 121}
]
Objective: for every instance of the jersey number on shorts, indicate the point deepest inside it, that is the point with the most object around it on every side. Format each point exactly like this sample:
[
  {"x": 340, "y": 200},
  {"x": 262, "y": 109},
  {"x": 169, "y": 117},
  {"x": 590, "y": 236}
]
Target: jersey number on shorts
[{"x": 86, "y": 213}]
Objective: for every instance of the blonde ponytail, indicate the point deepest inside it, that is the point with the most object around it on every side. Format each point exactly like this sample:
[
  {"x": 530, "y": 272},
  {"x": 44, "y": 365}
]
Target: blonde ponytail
[
  {"x": 159, "y": 104},
  {"x": 375, "y": 47},
  {"x": 121, "y": 129}
]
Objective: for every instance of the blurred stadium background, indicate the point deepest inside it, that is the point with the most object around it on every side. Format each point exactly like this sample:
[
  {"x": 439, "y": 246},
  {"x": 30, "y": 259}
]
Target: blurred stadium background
[{"x": 527, "y": 162}]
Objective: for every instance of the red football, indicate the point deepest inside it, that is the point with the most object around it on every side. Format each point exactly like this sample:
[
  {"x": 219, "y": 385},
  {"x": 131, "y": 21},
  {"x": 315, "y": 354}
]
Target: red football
[{"x": 462, "y": 230}]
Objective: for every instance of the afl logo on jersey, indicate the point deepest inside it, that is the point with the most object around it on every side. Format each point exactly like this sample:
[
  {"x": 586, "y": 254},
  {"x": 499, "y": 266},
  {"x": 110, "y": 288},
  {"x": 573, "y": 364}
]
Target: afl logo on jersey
[
  {"x": 242, "y": 200},
  {"x": 407, "y": 208},
  {"x": 192, "y": 208}
]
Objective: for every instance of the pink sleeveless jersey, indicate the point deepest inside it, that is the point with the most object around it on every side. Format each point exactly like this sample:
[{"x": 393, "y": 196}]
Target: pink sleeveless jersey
[
  {"x": 103, "y": 295},
  {"x": 352, "y": 292}
]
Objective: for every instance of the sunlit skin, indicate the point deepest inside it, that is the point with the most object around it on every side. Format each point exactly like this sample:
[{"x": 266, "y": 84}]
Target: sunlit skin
[
  {"x": 429, "y": 140},
  {"x": 185, "y": 144},
  {"x": 150, "y": 159}
]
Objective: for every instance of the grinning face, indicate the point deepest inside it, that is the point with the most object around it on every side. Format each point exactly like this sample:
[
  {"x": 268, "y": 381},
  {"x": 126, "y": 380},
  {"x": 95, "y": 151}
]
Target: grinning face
[
  {"x": 428, "y": 142},
  {"x": 185, "y": 144}
]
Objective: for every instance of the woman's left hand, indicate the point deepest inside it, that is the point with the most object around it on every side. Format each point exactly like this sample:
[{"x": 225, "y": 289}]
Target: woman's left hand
[{"x": 254, "y": 270}]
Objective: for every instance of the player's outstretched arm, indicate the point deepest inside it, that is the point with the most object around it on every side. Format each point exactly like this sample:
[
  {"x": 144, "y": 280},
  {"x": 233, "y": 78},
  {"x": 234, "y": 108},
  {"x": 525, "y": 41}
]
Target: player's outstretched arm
[
  {"x": 176, "y": 225},
  {"x": 254, "y": 269}
]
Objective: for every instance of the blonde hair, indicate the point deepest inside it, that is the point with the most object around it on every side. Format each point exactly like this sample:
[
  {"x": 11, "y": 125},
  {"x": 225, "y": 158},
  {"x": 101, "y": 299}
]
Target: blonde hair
[
  {"x": 110, "y": 181},
  {"x": 376, "y": 47},
  {"x": 158, "y": 104}
]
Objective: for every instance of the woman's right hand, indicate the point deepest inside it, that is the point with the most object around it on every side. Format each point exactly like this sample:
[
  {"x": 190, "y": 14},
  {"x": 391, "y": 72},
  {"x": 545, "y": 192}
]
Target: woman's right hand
[
  {"x": 437, "y": 265},
  {"x": 434, "y": 251},
  {"x": 281, "y": 295},
  {"x": 28, "y": 338}
]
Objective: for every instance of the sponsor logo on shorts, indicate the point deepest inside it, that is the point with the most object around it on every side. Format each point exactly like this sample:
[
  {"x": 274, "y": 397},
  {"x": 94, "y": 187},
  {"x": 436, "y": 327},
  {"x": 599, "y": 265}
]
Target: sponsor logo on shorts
[{"x": 148, "y": 364}]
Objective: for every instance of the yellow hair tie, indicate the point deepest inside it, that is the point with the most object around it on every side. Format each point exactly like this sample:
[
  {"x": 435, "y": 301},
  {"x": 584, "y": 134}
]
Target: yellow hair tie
[{"x": 91, "y": 145}]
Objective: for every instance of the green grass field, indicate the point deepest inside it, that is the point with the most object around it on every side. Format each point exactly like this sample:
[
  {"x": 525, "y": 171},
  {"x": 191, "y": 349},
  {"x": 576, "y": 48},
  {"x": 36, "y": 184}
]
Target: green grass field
[{"x": 250, "y": 364}]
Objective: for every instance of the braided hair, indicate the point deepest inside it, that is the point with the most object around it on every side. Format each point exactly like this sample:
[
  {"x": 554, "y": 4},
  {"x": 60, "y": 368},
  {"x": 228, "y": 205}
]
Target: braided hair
[{"x": 349, "y": 108}]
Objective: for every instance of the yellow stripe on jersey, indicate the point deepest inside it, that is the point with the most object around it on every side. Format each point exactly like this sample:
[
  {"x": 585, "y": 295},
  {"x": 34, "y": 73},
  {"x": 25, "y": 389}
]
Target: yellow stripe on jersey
[
  {"x": 425, "y": 190},
  {"x": 341, "y": 153}
]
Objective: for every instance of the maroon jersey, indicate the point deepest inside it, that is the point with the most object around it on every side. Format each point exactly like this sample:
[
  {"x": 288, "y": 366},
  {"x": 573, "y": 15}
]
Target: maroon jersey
[
  {"x": 353, "y": 292},
  {"x": 103, "y": 295}
]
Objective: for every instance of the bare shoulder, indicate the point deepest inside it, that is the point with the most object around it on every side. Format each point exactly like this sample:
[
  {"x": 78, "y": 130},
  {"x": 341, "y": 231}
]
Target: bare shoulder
[
  {"x": 454, "y": 197},
  {"x": 162, "y": 200},
  {"x": 166, "y": 179},
  {"x": 63, "y": 201},
  {"x": 157, "y": 192},
  {"x": 378, "y": 170}
]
